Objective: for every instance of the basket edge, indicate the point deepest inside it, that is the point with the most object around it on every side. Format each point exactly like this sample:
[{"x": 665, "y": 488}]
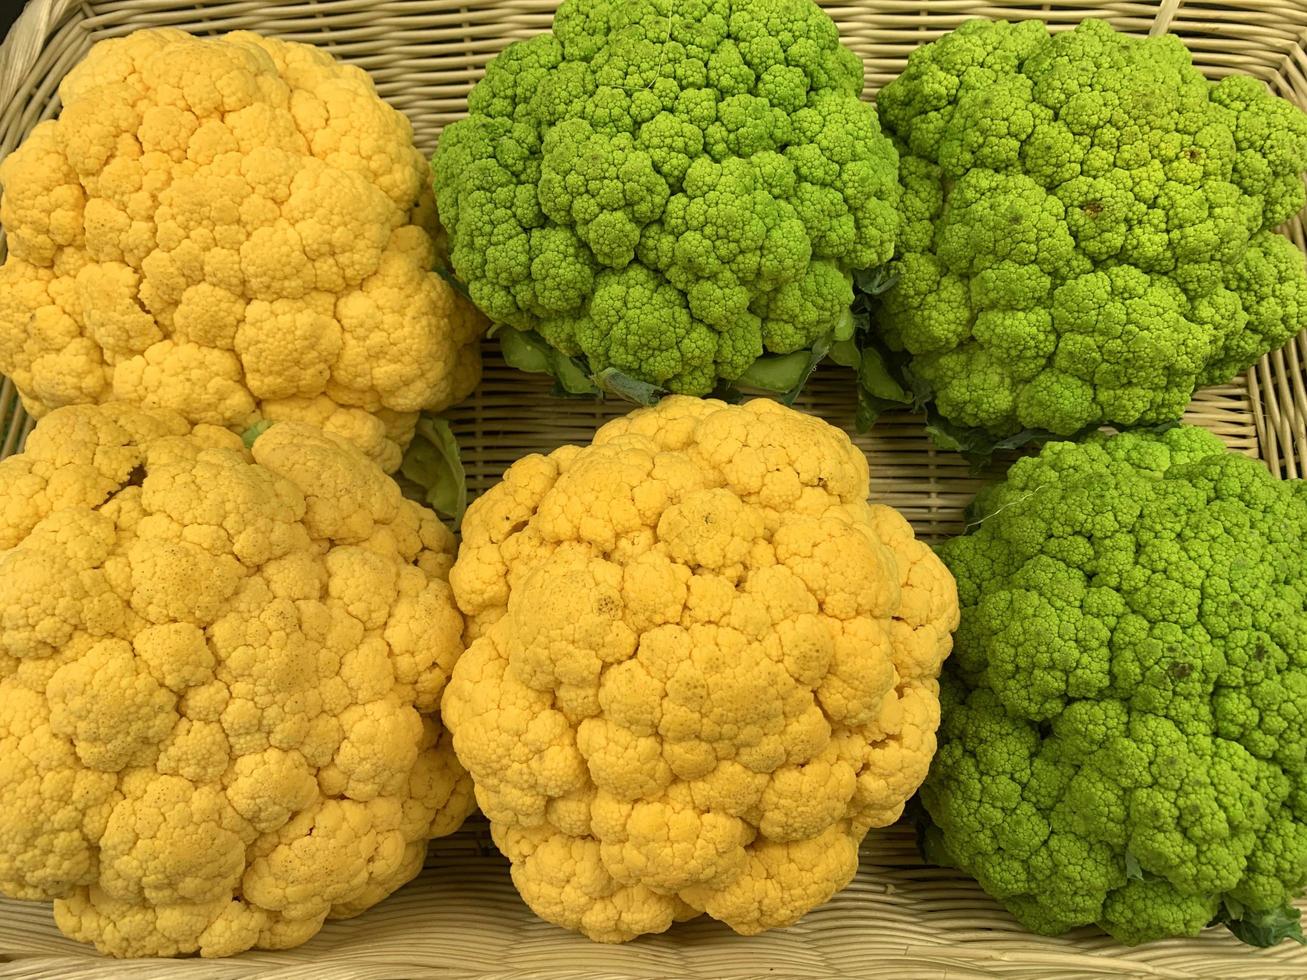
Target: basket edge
[{"x": 22, "y": 45}]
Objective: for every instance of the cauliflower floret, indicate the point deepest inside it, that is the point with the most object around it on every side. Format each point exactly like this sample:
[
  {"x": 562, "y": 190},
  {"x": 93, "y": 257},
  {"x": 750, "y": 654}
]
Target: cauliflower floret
[
  {"x": 219, "y": 672},
  {"x": 702, "y": 668},
  {"x": 235, "y": 229}
]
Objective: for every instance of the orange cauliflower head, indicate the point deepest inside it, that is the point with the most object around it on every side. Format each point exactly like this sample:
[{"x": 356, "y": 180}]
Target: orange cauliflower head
[
  {"x": 229, "y": 228},
  {"x": 703, "y": 667},
  {"x": 219, "y": 677}
]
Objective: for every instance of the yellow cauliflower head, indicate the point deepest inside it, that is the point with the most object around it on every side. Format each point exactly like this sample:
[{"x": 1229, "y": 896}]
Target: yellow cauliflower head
[
  {"x": 220, "y": 671},
  {"x": 232, "y": 228},
  {"x": 703, "y": 667}
]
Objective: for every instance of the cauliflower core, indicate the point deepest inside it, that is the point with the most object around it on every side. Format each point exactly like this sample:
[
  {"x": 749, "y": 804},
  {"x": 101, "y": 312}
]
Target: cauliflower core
[
  {"x": 703, "y": 666},
  {"x": 229, "y": 228},
  {"x": 219, "y": 672}
]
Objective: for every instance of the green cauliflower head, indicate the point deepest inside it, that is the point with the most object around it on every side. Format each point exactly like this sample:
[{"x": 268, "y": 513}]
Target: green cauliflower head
[
  {"x": 1125, "y": 712},
  {"x": 671, "y": 189},
  {"x": 1088, "y": 226}
]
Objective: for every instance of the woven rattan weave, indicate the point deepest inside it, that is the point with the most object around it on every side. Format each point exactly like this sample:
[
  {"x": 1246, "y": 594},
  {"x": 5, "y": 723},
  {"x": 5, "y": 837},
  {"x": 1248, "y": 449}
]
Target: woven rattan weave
[{"x": 462, "y": 918}]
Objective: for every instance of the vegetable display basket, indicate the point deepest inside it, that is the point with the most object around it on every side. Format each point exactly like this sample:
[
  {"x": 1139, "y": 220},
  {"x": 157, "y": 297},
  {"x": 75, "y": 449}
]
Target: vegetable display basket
[{"x": 462, "y": 918}]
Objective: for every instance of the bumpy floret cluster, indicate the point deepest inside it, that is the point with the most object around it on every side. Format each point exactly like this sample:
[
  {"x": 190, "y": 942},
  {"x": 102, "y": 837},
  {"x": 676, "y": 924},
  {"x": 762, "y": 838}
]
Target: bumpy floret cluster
[
  {"x": 704, "y": 666},
  {"x": 670, "y": 188},
  {"x": 226, "y": 228},
  {"x": 219, "y": 672},
  {"x": 1088, "y": 225},
  {"x": 1125, "y": 715}
]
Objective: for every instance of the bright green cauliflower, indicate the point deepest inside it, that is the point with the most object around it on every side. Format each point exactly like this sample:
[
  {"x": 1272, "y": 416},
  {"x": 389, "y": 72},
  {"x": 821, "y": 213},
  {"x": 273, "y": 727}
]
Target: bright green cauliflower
[
  {"x": 1125, "y": 712},
  {"x": 671, "y": 188},
  {"x": 1087, "y": 227}
]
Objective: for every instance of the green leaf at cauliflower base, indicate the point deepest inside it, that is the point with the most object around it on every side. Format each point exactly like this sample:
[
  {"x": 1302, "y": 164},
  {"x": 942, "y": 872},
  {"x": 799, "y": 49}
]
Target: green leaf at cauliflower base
[
  {"x": 527, "y": 351},
  {"x": 614, "y": 382},
  {"x": 882, "y": 382},
  {"x": 1262, "y": 929},
  {"x": 573, "y": 380},
  {"x": 777, "y": 373},
  {"x": 876, "y": 380},
  {"x": 432, "y": 470},
  {"x": 873, "y": 282},
  {"x": 845, "y": 353},
  {"x": 523, "y": 350},
  {"x": 784, "y": 374},
  {"x": 978, "y": 447}
]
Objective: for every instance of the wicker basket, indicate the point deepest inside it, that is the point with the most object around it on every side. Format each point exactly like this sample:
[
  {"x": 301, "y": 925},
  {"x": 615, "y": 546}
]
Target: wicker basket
[{"x": 462, "y": 918}]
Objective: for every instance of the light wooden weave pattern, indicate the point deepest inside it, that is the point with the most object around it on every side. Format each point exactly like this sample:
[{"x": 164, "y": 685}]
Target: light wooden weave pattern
[{"x": 462, "y": 918}]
